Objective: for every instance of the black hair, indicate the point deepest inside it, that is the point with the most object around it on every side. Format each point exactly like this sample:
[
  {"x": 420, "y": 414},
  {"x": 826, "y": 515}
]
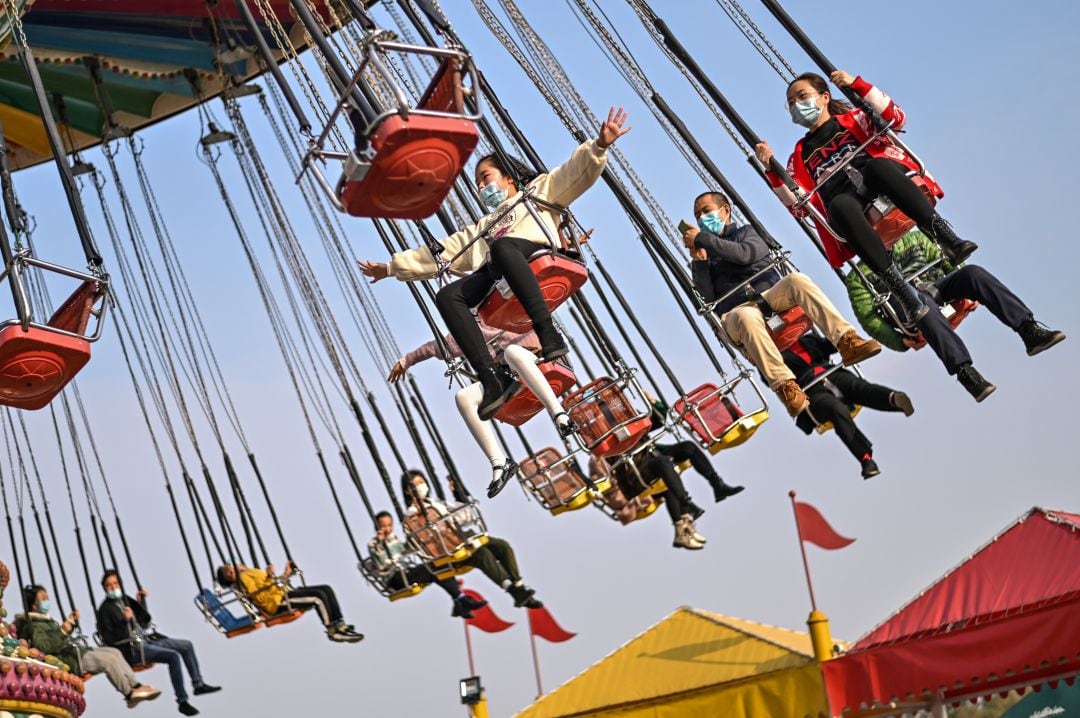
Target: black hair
[
  {"x": 720, "y": 198},
  {"x": 223, "y": 577},
  {"x": 110, "y": 572},
  {"x": 511, "y": 167},
  {"x": 30, "y": 594},
  {"x": 407, "y": 489},
  {"x": 821, "y": 86},
  {"x": 383, "y": 514}
]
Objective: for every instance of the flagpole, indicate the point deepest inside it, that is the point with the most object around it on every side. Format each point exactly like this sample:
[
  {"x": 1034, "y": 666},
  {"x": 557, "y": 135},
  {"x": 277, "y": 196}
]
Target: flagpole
[
  {"x": 536, "y": 659},
  {"x": 802, "y": 549},
  {"x": 468, "y": 649}
]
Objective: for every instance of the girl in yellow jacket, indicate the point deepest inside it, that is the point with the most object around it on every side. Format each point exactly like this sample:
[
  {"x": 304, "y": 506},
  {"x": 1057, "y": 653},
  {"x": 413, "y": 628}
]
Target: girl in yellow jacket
[{"x": 505, "y": 238}]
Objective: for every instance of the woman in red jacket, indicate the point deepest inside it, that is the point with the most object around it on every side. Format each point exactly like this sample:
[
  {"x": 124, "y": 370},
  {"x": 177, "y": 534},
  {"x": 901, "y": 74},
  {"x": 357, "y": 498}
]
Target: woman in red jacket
[{"x": 836, "y": 130}]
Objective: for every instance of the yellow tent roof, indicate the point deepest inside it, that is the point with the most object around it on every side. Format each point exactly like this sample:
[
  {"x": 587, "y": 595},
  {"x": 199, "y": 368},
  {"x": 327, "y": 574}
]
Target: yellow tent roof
[{"x": 696, "y": 663}]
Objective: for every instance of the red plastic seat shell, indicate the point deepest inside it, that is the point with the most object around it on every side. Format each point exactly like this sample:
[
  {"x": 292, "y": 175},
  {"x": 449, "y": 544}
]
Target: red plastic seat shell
[
  {"x": 796, "y": 323},
  {"x": 713, "y": 415},
  {"x": 416, "y": 162},
  {"x": 36, "y": 364},
  {"x": 606, "y": 408},
  {"x": 894, "y": 224},
  {"x": 524, "y": 405},
  {"x": 559, "y": 278}
]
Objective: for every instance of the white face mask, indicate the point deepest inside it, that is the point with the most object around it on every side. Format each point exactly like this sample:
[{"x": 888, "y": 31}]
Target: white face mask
[{"x": 421, "y": 490}]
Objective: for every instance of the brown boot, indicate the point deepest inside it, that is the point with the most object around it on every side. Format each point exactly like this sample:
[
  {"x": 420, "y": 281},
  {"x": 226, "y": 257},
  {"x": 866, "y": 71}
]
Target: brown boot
[
  {"x": 853, "y": 348},
  {"x": 792, "y": 397}
]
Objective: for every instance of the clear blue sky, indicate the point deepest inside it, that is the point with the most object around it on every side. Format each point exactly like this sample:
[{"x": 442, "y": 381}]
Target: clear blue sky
[{"x": 990, "y": 91}]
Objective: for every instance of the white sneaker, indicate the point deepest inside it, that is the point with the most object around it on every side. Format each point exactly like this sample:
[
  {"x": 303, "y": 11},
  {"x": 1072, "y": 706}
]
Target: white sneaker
[{"x": 142, "y": 693}]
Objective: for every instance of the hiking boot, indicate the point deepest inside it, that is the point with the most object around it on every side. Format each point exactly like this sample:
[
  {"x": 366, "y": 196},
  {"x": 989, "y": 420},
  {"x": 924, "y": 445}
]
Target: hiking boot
[
  {"x": 854, "y": 349},
  {"x": 723, "y": 491},
  {"x": 869, "y": 468},
  {"x": 567, "y": 427},
  {"x": 910, "y": 302},
  {"x": 902, "y": 401},
  {"x": 974, "y": 382},
  {"x": 203, "y": 688},
  {"x": 499, "y": 386},
  {"x": 521, "y": 594},
  {"x": 956, "y": 249},
  {"x": 792, "y": 397},
  {"x": 684, "y": 535},
  {"x": 1038, "y": 337},
  {"x": 552, "y": 345},
  {"x": 187, "y": 709},
  {"x": 461, "y": 609},
  {"x": 500, "y": 477}
]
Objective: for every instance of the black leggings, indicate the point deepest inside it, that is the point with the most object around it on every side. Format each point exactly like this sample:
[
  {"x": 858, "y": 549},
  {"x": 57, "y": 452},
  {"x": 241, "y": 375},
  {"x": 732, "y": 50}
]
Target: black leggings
[
  {"x": 509, "y": 259},
  {"x": 827, "y": 406},
  {"x": 321, "y": 598},
  {"x": 677, "y": 501},
  {"x": 882, "y": 176},
  {"x": 689, "y": 451}
]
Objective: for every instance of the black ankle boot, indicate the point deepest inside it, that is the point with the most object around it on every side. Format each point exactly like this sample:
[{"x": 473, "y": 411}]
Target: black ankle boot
[
  {"x": 1038, "y": 337},
  {"x": 974, "y": 382},
  {"x": 723, "y": 491},
  {"x": 911, "y": 304},
  {"x": 552, "y": 345},
  {"x": 499, "y": 386},
  {"x": 956, "y": 249},
  {"x": 695, "y": 511}
]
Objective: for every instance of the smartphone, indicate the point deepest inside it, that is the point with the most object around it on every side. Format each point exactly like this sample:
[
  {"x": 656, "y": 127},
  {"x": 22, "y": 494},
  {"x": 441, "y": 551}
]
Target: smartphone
[{"x": 684, "y": 227}]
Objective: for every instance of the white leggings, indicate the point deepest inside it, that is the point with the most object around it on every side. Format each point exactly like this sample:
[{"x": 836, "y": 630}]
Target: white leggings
[{"x": 523, "y": 363}]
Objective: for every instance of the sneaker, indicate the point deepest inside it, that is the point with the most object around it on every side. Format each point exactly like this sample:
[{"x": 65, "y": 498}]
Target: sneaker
[
  {"x": 854, "y": 349},
  {"x": 726, "y": 491},
  {"x": 461, "y": 609},
  {"x": 521, "y": 594},
  {"x": 343, "y": 633},
  {"x": 792, "y": 397},
  {"x": 973, "y": 381},
  {"x": 869, "y": 468},
  {"x": 499, "y": 385},
  {"x": 142, "y": 693},
  {"x": 566, "y": 427},
  {"x": 501, "y": 476},
  {"x": 1038, "y": 337},
  {"x": 902, "y": 401},
  {"x": 956, "y": 249},
  {"x": 202, "y": 689},
  {"x": 187, "y": 709}
]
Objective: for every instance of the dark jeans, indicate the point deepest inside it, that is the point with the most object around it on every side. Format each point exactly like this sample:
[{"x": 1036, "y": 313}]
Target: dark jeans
[
  {"x": 509, "y": 259},
  {"x": 968, "y": 282},
  {"x": 689, "y": 451},
  {"x": 321, "y": 598},
  {"x": 825, "y": 406},
  {"x": 177, "y": 653},
  {"x": 881, "y": 176},
  {"x": 660, "y": 466},
  {"x": 496, "y": 560},
  {"x": 423, "y": 576}
]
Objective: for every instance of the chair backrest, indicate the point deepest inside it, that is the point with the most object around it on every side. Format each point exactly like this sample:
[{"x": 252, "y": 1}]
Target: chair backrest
[
  {"x": 607, "y": 422},
  {"x": 553, "y": 480},
  {"x": 220, "y": 613},
  {"x": 74, "y": 314},
  {"x": 445, "y": 92},
  {"x": 707, "y": 412},
  {"x": 437, "y": 535}
]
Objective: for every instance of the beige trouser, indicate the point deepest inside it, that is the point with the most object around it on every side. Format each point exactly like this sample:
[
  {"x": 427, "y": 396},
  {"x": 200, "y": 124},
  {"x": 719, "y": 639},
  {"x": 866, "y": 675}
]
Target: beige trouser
[
  {"x": 111, "y": 662},
  {"x": 746, "y": 325}
]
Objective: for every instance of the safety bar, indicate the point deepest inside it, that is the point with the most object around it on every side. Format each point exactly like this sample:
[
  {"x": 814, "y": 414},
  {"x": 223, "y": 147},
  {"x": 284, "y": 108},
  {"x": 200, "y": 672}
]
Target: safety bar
[
  {"x": 779, "y": 263},
  {"x": 14, "y": 271}
]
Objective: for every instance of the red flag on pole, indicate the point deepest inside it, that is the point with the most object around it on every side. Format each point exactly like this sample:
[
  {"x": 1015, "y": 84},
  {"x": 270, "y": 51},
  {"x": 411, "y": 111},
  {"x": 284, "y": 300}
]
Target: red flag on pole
[
  {"x": 814, "y": 528},
  {"x": 542, "y": 623},
  {"x": 484, "y": 618}
]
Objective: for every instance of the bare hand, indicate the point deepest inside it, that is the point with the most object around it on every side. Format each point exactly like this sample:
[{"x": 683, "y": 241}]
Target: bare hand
[
  {"x": 375, "y": 270},
  {"x": 763, "y": 152},
  {"x": 689, "y": 236},
  {"x": 129, "y": 615},
  {"x": 74, "y": 617},
  {"x": 699, "y": 254},
  {"x": 612, "y": 129},
  {"x": 841, "y": 79},
  {"x": 270, "y": 570},
  {"x": 916, "y": 343},
  {"x": 397, "y": 371},
  {"x": 142, "y": 595},
  {"x": 290, "y": 568}
]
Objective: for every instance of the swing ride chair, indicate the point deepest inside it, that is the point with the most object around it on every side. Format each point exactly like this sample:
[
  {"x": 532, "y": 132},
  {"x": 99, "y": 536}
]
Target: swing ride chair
[
  {"x": 413, "y": 154},
  {"x": 446, "y": 539},
  {"x": 37, "y": 360},
  {"x": 555, "y": 482},
  {"x": 714, "y": 419},
  {"x": 135, "y": 640},
  {"x": 605, "y": 501},
  {"x": 524, "y": 405},
  {"x": 559, "y": 274},
  {"x": 380, "y": 581},
  {"x": 607, "y": 422},
  {"x": 888, "y": 222},
  {"x": 214, "y": 604}
]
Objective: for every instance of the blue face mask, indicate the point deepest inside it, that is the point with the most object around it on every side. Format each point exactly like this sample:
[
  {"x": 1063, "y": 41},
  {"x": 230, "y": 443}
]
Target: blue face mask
[
  {"x": 806, "y": 112},
  {"x": 115, "y": 594},
  {"x": 44, "y": 606},
  {"x": 711, "y": 223},
  {"x": 492, "y": 196}
]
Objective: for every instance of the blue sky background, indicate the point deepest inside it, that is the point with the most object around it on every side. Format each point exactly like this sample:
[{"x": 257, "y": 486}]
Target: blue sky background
[{"x": 990, "y": 92}]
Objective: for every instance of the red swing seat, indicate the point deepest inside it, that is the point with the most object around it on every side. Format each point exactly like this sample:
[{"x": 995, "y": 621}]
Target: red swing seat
[
  {"x": 559, "y": 277},
  {"x": 707, "y": 413},
  {"x": 787, "y": 326},
  {"x": 524, "y": 405},
  {"x": 416, "y": 159},
  {"x": 35, "y": 363},
  {"x": 555, "y": 481},
  {"x": 607, "y": 422},
  {"x": 892, "y": 224}
]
